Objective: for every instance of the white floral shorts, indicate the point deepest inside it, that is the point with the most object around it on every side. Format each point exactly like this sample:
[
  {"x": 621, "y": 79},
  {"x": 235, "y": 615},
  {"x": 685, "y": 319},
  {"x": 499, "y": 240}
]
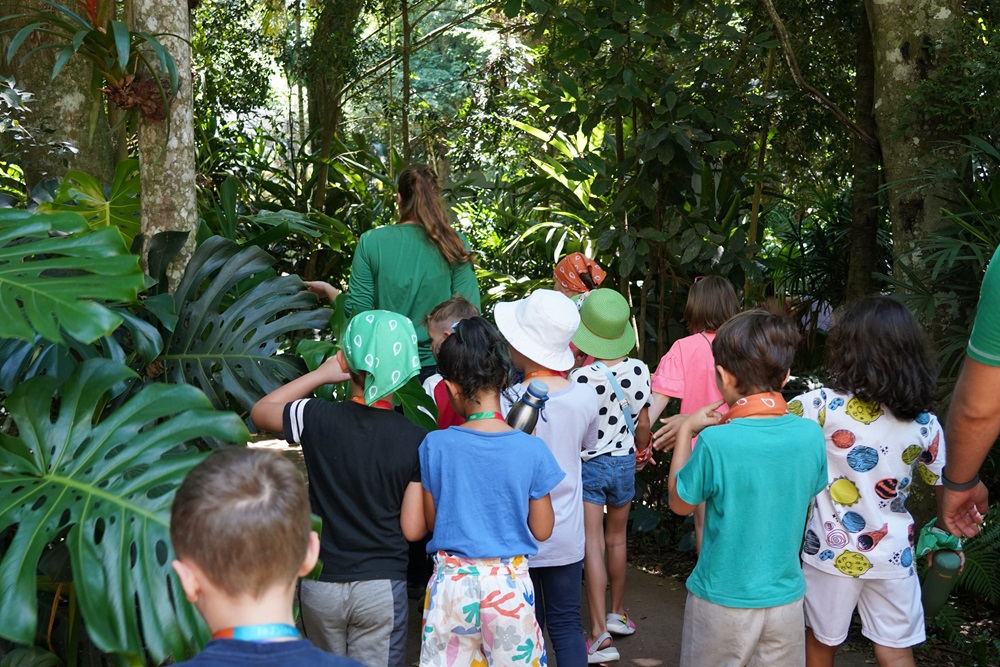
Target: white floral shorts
[{"x": 478, "y": 612}]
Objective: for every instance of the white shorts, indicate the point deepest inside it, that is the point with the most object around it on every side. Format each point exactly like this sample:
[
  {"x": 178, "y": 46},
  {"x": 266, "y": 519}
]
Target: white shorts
[{"x": 890, "y": 609}]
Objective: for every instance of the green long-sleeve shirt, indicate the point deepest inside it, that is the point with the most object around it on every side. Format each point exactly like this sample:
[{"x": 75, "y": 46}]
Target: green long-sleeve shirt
[{"x": 398, "y": 268}]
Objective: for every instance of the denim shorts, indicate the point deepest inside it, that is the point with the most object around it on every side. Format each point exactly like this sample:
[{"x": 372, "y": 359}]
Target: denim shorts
[{"x": 609, "y": 480}]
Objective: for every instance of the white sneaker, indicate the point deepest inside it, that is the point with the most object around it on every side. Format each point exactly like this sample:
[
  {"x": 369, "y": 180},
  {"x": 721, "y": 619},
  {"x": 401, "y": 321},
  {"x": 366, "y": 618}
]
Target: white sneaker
[{"x": 620, "y": 624}]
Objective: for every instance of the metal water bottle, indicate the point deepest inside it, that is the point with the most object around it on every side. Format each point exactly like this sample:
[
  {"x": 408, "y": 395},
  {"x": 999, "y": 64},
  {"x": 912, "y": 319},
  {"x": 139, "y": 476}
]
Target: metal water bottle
[
  {"x": 524, "y": 414},
  {"x": 938, "y": 582}
]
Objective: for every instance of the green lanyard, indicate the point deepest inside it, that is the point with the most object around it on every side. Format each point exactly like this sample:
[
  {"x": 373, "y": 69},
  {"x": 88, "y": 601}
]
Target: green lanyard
[{"x": 476, "y": 416}]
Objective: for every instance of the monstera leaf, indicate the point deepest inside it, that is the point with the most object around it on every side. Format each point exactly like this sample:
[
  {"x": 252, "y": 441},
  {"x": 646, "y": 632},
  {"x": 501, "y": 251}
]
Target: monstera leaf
[
  {"x": 234, "y": 314},
  {"x": 115, "y": 206},
  {"x": 104, "y": 486},
  {"x": 54, "y": 272}
]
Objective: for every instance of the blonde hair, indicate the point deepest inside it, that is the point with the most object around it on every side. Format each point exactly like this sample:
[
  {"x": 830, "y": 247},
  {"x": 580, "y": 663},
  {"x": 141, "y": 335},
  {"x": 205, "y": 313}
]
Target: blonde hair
[{"x": 420, "y": 201}]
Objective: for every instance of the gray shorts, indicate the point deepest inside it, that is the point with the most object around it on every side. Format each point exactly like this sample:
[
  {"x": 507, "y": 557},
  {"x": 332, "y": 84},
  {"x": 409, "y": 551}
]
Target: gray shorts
[
  {"x": 717, "y": 636},
  {"x": 363, "y": 620}
]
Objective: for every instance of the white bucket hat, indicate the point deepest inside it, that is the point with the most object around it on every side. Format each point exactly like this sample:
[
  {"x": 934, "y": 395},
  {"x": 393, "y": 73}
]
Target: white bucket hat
[{"x": 540, "y": 327}]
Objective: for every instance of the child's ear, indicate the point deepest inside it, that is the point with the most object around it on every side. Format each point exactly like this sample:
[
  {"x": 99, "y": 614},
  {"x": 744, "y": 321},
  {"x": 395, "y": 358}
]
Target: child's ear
[
  {"x": 788, "y": 374},
  {"x": 342, "y": 360},
  {"x": 312, "y": 554},
  {"x": 725, "y": 378},
  {"x": 189, "y": 580}
]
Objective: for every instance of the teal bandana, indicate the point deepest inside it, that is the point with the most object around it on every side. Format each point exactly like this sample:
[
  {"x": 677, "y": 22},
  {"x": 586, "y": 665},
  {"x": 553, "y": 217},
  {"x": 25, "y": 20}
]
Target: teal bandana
[
  {"x": 933, "y": 538},
  {"x": 383, "y": 346}
]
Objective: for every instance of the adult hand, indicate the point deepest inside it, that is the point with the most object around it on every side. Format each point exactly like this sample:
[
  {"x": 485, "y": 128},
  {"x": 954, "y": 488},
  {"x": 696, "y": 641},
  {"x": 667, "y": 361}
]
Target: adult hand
[
  {"x": 323, "y": 290},
  {"x": 665, "y": 439},
  {"x": 962, "y": 512}
]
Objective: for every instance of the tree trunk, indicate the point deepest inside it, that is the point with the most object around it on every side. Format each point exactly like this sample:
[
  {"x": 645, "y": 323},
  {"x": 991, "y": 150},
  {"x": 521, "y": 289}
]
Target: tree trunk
[
  {"x": 167, "y": 160},
  {"x": 907, "y": 37},
  {"x": 61, "y": 110},
  {"x": 405, "y": 124},
  {"x": 864, "y": 192},
  {"x": 329, "y": 59}
]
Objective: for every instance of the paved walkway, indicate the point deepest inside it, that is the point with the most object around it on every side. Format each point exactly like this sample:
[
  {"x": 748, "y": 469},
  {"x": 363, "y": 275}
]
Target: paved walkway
[{"x": 656, "y": 604}]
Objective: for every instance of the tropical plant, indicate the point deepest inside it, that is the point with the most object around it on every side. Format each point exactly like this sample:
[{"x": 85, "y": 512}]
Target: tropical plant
[
  {"x": 122, "y": 58},
  {"x": 115, "y": 205}
]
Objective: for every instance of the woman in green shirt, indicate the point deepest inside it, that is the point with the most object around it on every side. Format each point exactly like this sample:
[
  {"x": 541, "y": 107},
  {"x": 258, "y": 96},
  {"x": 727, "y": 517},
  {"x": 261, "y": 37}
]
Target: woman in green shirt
[{"x": 412, "y": 266}]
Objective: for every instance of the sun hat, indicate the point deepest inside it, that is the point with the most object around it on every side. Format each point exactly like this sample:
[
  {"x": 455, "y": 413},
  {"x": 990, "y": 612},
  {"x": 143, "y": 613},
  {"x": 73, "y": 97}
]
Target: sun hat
[
  {"x": 605, "y": 330},
  {"x": 540, "y": 327},
  {"x": 383, "y": 346}
]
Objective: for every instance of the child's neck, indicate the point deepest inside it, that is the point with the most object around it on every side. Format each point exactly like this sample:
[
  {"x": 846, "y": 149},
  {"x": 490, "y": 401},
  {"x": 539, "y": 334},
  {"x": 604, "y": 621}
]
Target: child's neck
[
  {"x": 554, "y": 380},
  {"x": 611, "y": 362},
  {"x": 485, "y": 402},
  {"x": 274, "y": 606}
]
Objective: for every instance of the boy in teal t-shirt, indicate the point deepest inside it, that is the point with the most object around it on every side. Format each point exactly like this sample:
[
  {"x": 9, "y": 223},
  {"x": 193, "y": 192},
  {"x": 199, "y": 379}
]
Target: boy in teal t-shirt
[{"x": 757, "y": 469}]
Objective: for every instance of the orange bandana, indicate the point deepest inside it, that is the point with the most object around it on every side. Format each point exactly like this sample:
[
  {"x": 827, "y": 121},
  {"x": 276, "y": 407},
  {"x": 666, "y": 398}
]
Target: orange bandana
[
  {"x": 768, "y": 404},
  {"x": 570, "y": 267}
]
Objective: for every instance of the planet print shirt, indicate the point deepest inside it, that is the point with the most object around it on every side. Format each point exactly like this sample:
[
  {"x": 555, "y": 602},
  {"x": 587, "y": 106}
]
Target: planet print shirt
[{"x": 859, "y": 525}]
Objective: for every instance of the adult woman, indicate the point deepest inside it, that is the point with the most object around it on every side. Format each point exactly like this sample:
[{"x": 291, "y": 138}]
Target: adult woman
[{"x": 412, "y": 266}]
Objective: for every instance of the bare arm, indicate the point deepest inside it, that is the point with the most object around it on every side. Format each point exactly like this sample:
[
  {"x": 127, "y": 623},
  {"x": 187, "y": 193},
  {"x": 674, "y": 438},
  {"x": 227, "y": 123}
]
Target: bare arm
[
  {"x": 642, "y": 430},
  {"x": 541, "y": 518},
  {"x": 702, "y": 418},
  {"x": 323, "y": 290},
  {"x": 411, "y": 516},
  {"x": 972, "y": 428},
  {"x": 266, "y": 413},
  {"x": 430, "y": 510},
  {"x": 656, "y": 408}
]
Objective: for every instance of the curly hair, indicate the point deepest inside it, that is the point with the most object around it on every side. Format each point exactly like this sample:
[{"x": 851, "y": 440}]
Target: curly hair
[
  {"x": 878, "y": 352},
  {"x": 757, "y": 347},
  {"x": 476, "y": 358}
]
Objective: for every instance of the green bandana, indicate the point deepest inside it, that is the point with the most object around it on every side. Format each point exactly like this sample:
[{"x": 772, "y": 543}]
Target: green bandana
[
  {"x": 382, "y": 345},
  {"x": 933, "y": 538}
]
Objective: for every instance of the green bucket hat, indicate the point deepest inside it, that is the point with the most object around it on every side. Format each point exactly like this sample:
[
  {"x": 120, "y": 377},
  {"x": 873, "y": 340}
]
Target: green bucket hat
[
  {"x": 605, "y": 331},
  {"x": 383, "y": 346}
]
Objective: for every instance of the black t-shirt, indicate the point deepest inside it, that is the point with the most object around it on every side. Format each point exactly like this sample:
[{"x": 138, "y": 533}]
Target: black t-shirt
[
  {"x": 360, "y": 460},
  {"x": 235, "y": 653}
]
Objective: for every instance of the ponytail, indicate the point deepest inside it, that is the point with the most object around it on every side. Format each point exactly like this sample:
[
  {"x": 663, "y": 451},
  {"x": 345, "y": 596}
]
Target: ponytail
[{"x": 420, "y": 201}]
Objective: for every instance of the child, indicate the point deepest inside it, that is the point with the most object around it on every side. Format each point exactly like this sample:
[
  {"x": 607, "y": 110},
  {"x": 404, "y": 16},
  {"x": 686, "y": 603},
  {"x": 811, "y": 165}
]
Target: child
[
  {"x": 364, "y": 472},
  {"x": 486, "y": 499},
  {"x": 687, "y": 371},
  {"x": 240, "y": 527},
  {"x": 756, "y": 473},
  {"x": 577, "y": 274},
  {"x": 439, "y": 323},
  {"x": 622, "y": 384},
  {"x": 539, "y": 329},
  {"x": 880, "y": 436}
]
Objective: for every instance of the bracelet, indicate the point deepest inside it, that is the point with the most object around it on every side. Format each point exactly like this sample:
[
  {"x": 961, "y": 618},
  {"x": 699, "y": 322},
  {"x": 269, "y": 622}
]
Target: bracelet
[{"x": 954, "y": 486}]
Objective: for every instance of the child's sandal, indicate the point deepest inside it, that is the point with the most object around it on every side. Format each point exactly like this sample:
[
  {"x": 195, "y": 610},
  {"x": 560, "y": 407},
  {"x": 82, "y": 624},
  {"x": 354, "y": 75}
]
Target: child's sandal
[{"x": 596, "y": 654}]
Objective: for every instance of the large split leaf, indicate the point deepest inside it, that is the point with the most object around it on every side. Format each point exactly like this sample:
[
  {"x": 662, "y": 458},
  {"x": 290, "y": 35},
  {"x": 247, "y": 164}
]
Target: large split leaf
[
  {"x": 54, "y": 273},
  {"x": 105, "y": 486},
  {"x": 234, "y": 316},
  {"x": 116, "y": 205}
]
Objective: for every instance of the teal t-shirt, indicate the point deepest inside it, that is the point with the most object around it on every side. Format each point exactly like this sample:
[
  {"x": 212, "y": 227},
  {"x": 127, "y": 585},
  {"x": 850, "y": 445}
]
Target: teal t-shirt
[
  {"x": 757, "y": 478},
  {"x": 397, "y": 268},
  {"x": 984, "y": 345}
]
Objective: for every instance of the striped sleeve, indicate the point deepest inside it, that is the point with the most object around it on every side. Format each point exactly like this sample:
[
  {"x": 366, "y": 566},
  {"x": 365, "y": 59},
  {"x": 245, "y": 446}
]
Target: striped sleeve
[{"x": 293, "y": 420}]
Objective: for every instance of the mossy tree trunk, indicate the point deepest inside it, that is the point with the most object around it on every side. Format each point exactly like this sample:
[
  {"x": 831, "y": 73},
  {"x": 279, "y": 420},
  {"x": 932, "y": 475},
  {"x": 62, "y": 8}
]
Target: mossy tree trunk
[{"x": 166, "y": 150}]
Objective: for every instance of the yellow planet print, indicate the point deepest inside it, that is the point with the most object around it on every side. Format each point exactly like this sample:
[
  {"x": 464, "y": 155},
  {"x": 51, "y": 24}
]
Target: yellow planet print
[
  {"x": 926, "y": 475},
  {"x": 852, "y": 563},
  {"x": 795, "y": 407},
  {"x": 844, "y": 492},
  {"x": 821, "y": 418},
  {"x": 911, "y": 453},
  {"x": 862, "y": 411}
]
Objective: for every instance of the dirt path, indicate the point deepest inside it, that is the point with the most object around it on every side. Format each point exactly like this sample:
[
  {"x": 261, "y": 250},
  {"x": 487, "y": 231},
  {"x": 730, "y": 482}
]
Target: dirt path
[{"x": 656, "y": 604}]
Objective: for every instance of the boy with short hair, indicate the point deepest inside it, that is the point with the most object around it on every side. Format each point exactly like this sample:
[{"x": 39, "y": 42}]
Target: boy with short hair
[
  {"x": 240, "y": 527},
  {"x": 364, "y": 473},
  {"x": 439, "y": 323},
  {"x": 757, "y": 469}
]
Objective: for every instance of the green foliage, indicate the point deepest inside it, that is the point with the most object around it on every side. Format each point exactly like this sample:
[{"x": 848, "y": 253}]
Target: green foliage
[
  {"x": 116, "y": 205},
  {"x": 53, "y": 276},
  {"x": 104, "y": 484}
]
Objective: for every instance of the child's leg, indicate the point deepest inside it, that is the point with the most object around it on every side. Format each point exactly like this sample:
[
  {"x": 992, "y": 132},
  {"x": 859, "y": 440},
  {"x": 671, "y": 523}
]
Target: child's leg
[
  {"x": 699, "y": 527},
  {"x": 506, "y": 613},
  {"x": 615, "y": 539},
  {"x": 451, "y": 635},
  {"x": 893, "y": 657},
  {"x": 557, "y": 606},
  {"x": 818, "y": 654},
  {"x": 325, "y": 614},
  {"x": 594, "y": 568}
]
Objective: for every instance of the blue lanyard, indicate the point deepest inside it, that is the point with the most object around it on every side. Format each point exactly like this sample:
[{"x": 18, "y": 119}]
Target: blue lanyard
[{"x": 264, "y": 632}]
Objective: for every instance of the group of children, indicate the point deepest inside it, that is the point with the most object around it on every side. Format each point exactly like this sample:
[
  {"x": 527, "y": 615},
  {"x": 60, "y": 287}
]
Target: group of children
[{"x": 495, "y": 499}]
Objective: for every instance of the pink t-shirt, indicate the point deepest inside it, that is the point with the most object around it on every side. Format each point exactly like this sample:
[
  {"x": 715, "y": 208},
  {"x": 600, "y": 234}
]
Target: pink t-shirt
[{"x": 687, "y": 372}]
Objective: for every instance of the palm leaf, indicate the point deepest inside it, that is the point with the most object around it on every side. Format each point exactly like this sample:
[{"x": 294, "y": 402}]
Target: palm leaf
[
  {"x": 225, "y": 345},
  {"x": 51, "y": 286},
  {"x": 106, "y": 489},
  {"x": 82, "y": 193}
]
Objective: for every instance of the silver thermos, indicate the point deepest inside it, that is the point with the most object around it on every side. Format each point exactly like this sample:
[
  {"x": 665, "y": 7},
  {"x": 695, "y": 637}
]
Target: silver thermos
[{"x": 524, "y": 415}]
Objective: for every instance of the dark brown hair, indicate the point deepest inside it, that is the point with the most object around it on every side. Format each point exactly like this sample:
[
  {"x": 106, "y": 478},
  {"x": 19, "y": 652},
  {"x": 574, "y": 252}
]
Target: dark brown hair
[
  {"x": 757, "y": 347},
  {"x": 454, "y": 309},
  {"x": 878, "y": 352},
  {"x": 420, "y": 201},
  {"x": 710, "y": 302},
  {"x": 476, "y": 357},
  {"x": 242, "y": 516}
]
